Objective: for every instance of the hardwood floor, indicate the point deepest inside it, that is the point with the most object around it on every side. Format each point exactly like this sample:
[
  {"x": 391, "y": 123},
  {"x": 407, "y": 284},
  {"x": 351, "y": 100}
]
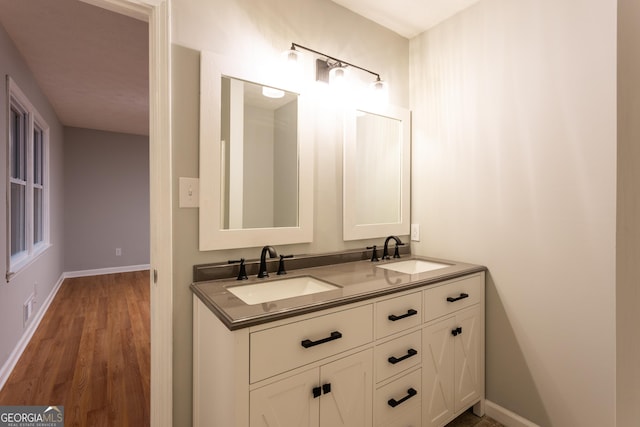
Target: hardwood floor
[{"x": 90, "y": 353}]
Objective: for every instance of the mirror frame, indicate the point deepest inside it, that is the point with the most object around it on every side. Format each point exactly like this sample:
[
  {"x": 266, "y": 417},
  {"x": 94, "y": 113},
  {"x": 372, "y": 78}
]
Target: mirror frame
[
  {"x": 212, "y": 236},
  {"x": 351, "y": 229}
]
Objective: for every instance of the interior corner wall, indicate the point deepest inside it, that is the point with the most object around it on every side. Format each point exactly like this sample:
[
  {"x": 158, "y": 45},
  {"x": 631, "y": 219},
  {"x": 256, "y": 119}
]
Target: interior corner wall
[
  {"x": 106, "y": 179},
  {"x": 44, "y": 273},
  {"x": 514, "y": 167},
  {"x": 628, "y": 237}
]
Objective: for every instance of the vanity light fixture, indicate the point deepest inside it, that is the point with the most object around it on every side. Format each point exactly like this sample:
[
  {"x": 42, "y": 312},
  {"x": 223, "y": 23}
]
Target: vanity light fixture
[{"x": 333, "y": 70}]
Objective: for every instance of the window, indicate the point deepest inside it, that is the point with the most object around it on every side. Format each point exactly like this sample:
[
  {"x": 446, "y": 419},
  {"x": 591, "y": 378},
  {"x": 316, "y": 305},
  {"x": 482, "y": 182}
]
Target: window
[{"x": 27, "y": 204}]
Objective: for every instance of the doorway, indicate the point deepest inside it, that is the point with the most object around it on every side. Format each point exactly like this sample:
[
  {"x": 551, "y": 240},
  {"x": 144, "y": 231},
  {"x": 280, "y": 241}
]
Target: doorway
[{"x": 156, "y": 13}]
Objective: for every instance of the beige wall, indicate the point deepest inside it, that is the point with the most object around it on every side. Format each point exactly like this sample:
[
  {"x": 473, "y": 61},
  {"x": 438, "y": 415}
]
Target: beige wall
[
  {"x": 628, "y": 238},
  {"x": 514, "y": 155},
  {"x": 252, "y": 33}
]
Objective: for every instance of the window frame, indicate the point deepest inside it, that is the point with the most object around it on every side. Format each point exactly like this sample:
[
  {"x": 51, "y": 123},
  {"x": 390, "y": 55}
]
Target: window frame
[{"x": 35, "y": 221}]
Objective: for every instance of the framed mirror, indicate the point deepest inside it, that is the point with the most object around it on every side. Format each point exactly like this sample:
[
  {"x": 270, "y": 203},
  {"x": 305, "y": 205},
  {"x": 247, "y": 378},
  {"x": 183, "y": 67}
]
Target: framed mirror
[
  {"x": 256, "y": 169},
  {"x": 377, "y": 149}
]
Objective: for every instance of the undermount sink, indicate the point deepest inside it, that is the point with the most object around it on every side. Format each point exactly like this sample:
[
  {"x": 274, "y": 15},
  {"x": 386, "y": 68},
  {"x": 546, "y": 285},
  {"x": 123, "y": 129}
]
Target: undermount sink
[
  {"x": 274, "y": 290},
  {"x": 413, "y": 266}
]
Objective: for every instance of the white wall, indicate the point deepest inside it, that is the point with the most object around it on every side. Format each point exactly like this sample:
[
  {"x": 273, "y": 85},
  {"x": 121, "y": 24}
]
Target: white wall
[
  {"x": 514, "y": 167},
  {"x": 44, "y": 273},
  {"x": 250, "y": 34}
]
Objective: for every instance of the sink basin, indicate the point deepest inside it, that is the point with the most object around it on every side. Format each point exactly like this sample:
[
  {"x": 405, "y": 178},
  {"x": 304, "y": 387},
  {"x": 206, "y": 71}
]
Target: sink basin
[
  {"x": 274, "y": 290},
  {"x": 413, "y": 266}
]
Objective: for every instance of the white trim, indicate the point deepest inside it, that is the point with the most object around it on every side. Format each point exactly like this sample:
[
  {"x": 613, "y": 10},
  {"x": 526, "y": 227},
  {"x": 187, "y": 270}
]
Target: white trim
[
  {"x": 351, "y": 228},
  {"x": 108, "y": 270},
  {"x": 157, "y": 14},
  {"x": 211, "y": 236},
  {"x": 12, "y": 360},
  {"x": 505, "y": 416},
  {"x": 16, "y": 263}
]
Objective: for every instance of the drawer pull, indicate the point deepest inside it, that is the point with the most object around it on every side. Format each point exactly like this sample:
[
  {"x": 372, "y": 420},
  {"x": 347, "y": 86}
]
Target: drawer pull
[
  {"x": 462, "y": 296},
  {"x": 410, "y": 393},
  {"x": 411, "y": 352},
  {"x": 410, "y": 312},
  {"x": 334, "y": 336},
  {"x": 457, "y": 331},
  {"x": 317, "y": 391}
]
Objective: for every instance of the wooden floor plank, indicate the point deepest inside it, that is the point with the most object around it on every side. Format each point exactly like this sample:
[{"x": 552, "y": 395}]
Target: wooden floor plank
[{"x": 90, "y": 353}]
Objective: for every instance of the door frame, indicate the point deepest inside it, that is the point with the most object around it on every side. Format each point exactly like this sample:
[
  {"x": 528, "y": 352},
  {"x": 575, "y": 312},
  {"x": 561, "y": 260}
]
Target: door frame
[{"x": 157, "y": 14}]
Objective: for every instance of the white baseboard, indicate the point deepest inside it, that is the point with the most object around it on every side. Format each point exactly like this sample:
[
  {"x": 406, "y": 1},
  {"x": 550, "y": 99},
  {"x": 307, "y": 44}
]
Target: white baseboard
[
  {"x": 11, "y": 362},
  {"x": 109, "y": 270},
  {"x": 505, "y": 416}
]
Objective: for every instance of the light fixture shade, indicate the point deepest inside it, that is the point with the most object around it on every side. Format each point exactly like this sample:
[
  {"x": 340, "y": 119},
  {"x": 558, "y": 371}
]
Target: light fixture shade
[
  {"x": 379, "y": 85},
  {"x": 379, "y": 92},
  {"x": 338, "y": 75},
  {"x": 291, "y": 55}
]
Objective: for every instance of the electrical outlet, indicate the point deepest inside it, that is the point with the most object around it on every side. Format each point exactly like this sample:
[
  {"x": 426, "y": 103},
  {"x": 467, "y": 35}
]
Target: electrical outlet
[
  {"x": 27, "y": 309},
  {"x": 118, "y": 251},
  {"x": 415, "y": 232}
]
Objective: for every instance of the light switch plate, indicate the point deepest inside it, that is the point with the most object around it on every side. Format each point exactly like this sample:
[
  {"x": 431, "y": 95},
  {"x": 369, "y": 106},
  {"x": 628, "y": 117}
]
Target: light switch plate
[
  {"x": 189, "y": 192},
  {"x": 415, "y": 232}
]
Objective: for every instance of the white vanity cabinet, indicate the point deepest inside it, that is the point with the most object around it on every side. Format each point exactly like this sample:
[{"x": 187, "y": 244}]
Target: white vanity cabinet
[
  {"x": 453, "y": 356},
  {"x": 390, "y": 361}
]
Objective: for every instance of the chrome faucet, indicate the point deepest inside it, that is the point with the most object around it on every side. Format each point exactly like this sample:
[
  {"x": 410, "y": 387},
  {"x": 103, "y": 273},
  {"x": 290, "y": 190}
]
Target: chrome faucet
[
  {"x": 262, "y": 270},
  {"x": 385, "y": 251}
]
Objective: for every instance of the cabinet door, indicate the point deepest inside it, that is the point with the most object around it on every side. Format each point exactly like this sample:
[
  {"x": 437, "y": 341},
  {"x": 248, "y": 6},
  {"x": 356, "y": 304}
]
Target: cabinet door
[
  {"x": 438, "y": 372},
  {"x": 467, "y": 357},
  {"x": 286, "y": 403},
  {"x": 349, "y": 401}
]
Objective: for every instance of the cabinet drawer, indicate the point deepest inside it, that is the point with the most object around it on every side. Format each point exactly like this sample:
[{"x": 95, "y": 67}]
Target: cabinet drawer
[
  {"x": 398, "y": 400},
  {"x": 398, "y": 355},
  {"x": 397, "y": 314},
  {"x": 285, "y": 347},
  {"x": 446, "y": 299},
  {"x": 410, "y": 417}
]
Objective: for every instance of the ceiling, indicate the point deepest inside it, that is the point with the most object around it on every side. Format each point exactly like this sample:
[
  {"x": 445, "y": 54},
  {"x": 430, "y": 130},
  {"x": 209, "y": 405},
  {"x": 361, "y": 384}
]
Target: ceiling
[
  {"x": 92, "y": 64},
  {"x": 406, "y": 17}
]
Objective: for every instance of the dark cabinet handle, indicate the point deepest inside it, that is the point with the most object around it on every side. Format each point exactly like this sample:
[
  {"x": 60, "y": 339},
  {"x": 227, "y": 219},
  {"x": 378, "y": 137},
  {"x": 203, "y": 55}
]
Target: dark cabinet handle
[
  {"x": 410, "y": 312},
  {"x": 462, "y": 296},
  {"x": 317, "y": 391},
  {"x": 457, "y": 331},
  {"x": 411, "y": 352},
  {"x": 326, "y": 388},
  {"x": 410, "y": 393},
  {"x": 334, "y": 336}
]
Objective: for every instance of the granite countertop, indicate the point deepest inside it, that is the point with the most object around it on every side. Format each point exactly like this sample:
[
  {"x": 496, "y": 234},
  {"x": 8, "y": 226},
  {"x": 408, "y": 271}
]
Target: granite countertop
[{"x": 356, "y": 281}]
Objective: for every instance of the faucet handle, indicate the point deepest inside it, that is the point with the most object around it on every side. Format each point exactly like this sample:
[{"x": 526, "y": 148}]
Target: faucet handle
[
  {"x": 374, "y": 253},
  {"x": 396, "y": 253},
  {"x": 281, "y": 269},
  {"x": 242, "y": 274}
]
